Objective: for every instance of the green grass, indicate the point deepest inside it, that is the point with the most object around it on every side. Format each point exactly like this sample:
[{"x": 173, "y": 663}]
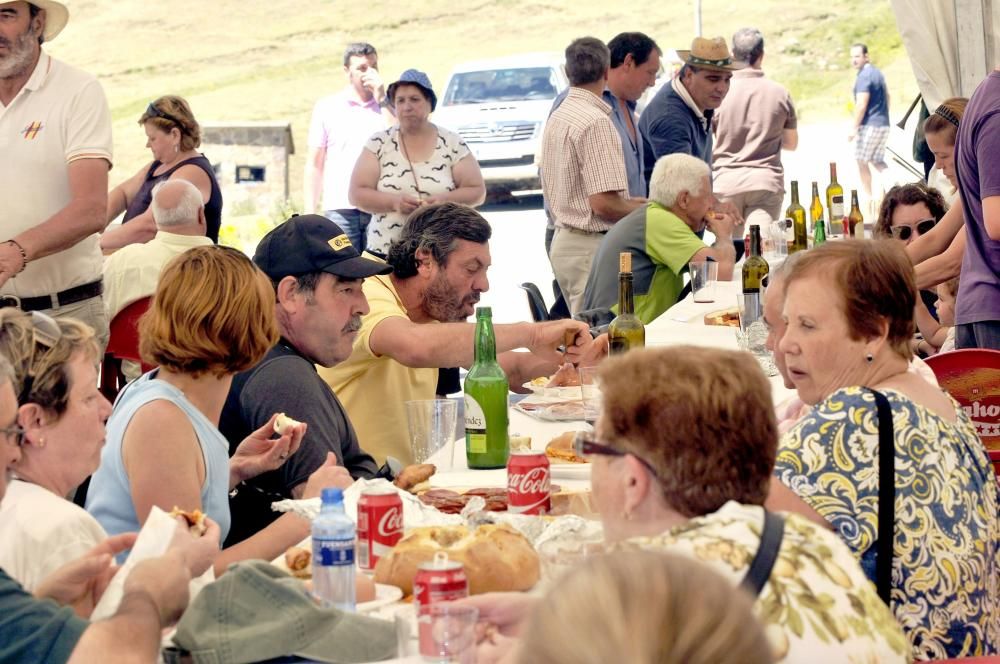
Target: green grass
[{"x": 271, "y": 61}]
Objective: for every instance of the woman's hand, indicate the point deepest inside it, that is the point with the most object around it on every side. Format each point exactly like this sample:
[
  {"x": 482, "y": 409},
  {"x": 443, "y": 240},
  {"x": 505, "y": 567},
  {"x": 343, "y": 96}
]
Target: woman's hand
[
  {"x": 259, "y": 452},
  {"x": 79, "y": 584},
  {"x": 407, "y": 203}
]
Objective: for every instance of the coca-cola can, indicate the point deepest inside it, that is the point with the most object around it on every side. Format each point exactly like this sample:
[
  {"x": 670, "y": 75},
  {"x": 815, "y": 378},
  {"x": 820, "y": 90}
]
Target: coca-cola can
[
  {"x": 528, "y": 483},
  {"x": 380, "y": 524},
  {"x": 440, "y": 580}
]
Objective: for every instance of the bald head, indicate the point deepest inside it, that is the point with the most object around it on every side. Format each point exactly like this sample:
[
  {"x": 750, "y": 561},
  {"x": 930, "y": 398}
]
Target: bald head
[{"x": 177, "y": 208}]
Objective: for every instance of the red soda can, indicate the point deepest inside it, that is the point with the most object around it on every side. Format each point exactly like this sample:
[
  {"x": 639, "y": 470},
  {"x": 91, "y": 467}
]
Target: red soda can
[
  {"x": 380, "y": 524},
  {"x": 440, "y": 580},
  {"x": 528, "y": 483}
]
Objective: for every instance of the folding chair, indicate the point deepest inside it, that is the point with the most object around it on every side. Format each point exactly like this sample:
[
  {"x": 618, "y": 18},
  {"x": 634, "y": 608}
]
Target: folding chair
[
  {"x": 972, "y": 377},
  {"x": 536, "y": 303},
  {"x": 123, "y": 344}
]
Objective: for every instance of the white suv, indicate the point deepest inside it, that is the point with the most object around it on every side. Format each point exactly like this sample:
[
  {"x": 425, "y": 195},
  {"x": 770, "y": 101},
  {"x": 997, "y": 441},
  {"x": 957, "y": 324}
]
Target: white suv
[{"x": 499, "y": 107}]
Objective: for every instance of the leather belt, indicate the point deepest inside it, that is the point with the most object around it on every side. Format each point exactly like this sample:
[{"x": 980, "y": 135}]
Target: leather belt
[{"x": 60, "y": 299}]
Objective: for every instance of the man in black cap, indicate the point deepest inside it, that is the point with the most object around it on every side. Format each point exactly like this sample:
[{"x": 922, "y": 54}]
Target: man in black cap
[{"x": 317, "y": 275}]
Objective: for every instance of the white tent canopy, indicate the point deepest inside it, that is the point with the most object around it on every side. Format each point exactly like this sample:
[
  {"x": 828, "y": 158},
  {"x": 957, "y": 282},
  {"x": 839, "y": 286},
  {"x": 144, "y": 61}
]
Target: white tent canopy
[{"x": 952, "y": 44}]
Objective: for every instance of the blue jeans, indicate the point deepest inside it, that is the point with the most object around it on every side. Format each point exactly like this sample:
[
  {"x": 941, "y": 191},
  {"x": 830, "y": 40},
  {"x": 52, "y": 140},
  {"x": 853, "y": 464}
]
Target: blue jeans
[
  {"x": 985, "y": 334},
  {"x": 353, "y": 222}
]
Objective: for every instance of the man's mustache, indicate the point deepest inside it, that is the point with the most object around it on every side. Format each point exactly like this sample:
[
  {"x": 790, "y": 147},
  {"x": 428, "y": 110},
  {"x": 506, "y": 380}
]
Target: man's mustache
[{"x": 354, "y": 325}]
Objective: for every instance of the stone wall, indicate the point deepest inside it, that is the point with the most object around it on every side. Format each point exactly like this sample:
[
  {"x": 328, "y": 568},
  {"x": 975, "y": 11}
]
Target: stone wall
[{"x": 251, "y": 163}]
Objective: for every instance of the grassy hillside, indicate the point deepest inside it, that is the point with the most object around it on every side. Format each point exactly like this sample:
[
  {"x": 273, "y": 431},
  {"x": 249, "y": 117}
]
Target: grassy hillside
[{"x": 271, "y": 61}]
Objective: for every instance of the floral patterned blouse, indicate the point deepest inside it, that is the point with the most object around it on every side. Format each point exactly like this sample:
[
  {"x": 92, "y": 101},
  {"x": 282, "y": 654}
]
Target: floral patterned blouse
[
  {"x": 816, "y": 607},
  {"x": 946, "y": 567}
]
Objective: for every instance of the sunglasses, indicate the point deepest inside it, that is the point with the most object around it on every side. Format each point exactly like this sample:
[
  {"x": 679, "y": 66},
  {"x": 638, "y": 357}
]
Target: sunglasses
[
  {"x": 45, "y": 332},
  {"x": 586, "y": 447},
  {"x": 904, "y": 232},
  {"x": 15, "y": 432},
  {"x": 157, "y": 113}
]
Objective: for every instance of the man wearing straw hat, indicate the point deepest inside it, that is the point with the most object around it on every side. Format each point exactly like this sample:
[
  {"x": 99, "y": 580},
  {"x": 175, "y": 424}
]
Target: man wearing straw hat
[
  {"x": 55, "y": 128},
  {"x": 679, "y": 118}
]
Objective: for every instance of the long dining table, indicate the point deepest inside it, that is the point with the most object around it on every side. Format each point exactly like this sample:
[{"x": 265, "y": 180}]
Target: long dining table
[{"x": 683, "y": 323}]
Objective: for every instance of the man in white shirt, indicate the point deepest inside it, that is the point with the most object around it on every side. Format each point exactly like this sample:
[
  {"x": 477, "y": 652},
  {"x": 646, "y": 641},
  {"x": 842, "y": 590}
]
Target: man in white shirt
[
  {"x": 341, "y": 124},
  {"x": 132, "y": 272},
  {"x": 55, "y": 142}
]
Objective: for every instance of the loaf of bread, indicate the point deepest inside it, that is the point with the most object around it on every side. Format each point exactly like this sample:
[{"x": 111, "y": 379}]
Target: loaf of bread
[{"x": 495, "y": 557}]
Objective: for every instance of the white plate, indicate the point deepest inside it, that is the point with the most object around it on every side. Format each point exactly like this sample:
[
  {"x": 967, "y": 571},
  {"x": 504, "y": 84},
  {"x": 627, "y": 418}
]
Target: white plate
[
  {"x": 384, "y": 595},
  {"x": 568, "y": 392},
  {"x": 570, "y": 471}
]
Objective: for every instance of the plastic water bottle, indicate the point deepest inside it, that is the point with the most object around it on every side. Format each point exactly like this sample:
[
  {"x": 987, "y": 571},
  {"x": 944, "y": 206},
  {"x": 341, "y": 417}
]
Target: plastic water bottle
[{"x": 333, "y": 540}]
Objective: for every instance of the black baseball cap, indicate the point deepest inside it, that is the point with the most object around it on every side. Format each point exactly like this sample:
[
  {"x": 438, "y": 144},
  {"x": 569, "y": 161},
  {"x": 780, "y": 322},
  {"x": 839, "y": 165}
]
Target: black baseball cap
[{"x": 312, "y": 243}]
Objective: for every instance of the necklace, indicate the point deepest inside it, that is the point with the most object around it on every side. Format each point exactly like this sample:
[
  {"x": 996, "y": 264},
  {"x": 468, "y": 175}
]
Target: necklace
[{"x": 413, "y": 171}]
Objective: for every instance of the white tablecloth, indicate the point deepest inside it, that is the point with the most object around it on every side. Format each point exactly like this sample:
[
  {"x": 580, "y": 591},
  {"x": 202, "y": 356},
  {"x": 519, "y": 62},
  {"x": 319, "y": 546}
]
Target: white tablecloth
[{"x": 683, "y": 323}]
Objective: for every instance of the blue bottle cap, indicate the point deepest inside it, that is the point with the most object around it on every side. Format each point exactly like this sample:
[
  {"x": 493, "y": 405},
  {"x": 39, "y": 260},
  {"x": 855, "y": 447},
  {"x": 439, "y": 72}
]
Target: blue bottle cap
[{"x": 332, "y": 495}]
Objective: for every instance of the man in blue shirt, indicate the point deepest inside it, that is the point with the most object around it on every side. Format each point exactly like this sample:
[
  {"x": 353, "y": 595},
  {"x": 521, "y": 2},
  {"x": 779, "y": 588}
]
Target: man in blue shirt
[
  {"x": 679, "y": 117},
  {"x": 871, "y": 117}
]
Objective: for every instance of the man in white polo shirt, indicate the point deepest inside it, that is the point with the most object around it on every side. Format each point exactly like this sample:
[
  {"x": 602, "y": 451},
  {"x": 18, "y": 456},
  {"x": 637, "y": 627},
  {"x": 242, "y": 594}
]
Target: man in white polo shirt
[{"x": 55, "y": 138}]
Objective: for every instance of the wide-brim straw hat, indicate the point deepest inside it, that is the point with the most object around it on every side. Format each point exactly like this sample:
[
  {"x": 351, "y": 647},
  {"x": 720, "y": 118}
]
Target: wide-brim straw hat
[
  {"x": 711, "y": 54},
  {"x": 56, "y": 17}
]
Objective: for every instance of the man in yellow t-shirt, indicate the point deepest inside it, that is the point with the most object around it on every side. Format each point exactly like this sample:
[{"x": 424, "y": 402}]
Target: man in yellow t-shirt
[{"x": 416, "y": 324}]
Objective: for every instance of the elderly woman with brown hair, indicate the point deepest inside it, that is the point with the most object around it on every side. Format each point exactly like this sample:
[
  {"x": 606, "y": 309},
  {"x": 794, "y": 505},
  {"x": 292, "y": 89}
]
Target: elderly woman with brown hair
[
  {"x": 886, "y": 459},
  {"x": 173, "y": 136},
  {"x": 682, "y": 455},
  {"x": 212, "y": 316}
]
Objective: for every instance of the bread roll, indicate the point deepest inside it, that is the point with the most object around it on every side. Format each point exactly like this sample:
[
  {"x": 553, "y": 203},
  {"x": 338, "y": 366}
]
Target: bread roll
[
  {"x": 496, "y": 557},
  {"x": 283, "y": 424},
  {"x": 561, "y": 448}
]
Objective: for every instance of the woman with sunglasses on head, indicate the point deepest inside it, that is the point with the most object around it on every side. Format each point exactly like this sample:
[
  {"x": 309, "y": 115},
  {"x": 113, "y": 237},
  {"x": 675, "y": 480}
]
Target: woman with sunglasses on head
[
  {"x": 212, "y": 316},
  {"x": 173, "y": 136},
  {"x": 59, "y": 432},
  {"x": 682, "y": 454},
  {"x": 61, "y": 429}
]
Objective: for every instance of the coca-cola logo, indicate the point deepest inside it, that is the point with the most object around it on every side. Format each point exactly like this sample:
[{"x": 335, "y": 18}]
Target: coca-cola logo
[
  {"x": 534, "y": 481},
  {"x": 391, "y": 522}
]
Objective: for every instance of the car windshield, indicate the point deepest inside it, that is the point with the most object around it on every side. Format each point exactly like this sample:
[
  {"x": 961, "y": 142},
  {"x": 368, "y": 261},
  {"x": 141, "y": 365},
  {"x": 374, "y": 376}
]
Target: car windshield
[{"x": 477, "y": 87}]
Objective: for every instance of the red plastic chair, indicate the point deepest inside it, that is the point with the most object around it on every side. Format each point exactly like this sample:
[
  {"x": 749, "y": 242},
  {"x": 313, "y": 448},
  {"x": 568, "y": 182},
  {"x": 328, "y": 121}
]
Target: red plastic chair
[
  {"x": 993, "y": 659},
  {"x": 972, "y": 377},
  {"x": 123, "y": 344}
]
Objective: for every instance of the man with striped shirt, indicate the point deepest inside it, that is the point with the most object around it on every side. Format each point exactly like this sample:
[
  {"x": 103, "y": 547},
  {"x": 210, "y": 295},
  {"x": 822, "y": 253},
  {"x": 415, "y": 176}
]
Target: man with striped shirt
[{"x": 583, "y": 171}]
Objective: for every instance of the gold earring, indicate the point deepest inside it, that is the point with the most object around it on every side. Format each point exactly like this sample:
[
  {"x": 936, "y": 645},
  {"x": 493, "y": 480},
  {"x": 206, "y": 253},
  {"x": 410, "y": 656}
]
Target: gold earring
[{"x": 41, "y": 441}]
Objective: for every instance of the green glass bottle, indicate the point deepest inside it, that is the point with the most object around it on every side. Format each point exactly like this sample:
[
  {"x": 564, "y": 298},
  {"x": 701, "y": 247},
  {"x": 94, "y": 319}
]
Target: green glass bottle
[
  {"x": 819, "y": 234},
  {"x": 626, "y": 331},
  {"x": 816, "y": 212},
  {"x": 755, "y": 268},
  {"x": 486, "y": 391},
  {"x": 797, "y": 213}
]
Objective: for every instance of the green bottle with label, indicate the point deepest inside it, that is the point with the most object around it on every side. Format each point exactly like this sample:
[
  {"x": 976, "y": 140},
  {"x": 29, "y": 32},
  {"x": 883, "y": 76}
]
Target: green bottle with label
[{"x": 486, "y": 392}]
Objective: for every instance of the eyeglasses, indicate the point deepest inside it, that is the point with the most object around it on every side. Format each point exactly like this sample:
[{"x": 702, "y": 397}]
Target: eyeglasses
[
  {"x": 45, "y": 332},
  {"x": 15, "y": 432},
  {"x": 157, "y": 113},
  {"x": 904, "y": 231},
  {"x": 586, "y": 446}
]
